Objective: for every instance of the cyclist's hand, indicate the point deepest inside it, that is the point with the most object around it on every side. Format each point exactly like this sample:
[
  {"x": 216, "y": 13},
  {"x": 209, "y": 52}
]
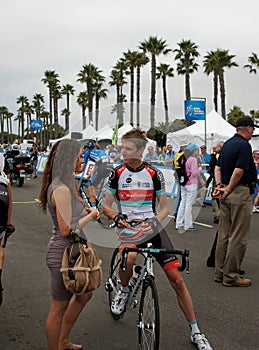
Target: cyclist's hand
[
  {"x": 10, "y": 229},
  {"x": 148, "y": 225},
  {"x": 121, "y": 220}
]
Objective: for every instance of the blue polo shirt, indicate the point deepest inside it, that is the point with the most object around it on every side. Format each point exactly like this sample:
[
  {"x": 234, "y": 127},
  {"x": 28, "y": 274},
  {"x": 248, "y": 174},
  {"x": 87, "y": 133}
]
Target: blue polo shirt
[{"x": 237, "y": 153}]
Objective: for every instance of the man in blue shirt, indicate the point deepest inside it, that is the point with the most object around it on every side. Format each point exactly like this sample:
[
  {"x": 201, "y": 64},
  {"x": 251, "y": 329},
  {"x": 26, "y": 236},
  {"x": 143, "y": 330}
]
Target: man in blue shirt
[
  {"x": 169, "y": 157},
  {"x": 205, "y": 158},
  {"x": 235, "y": 177}
]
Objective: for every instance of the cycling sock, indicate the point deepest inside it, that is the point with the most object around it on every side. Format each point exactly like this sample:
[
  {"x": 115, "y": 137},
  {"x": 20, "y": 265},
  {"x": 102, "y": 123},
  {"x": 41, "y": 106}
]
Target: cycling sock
[
  {"x": 194, "y": 327},
  {"x": 125, "y": 289}
]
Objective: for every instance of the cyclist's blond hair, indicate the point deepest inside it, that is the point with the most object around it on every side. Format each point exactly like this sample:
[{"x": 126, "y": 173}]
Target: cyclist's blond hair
[{"x": 136, "y": 136}]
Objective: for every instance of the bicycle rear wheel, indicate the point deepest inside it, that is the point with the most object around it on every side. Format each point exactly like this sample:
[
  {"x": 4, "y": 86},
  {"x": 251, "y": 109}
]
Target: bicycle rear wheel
[
  {"x": 113, "y": 284},
  {"x": 149, "y": 319}
]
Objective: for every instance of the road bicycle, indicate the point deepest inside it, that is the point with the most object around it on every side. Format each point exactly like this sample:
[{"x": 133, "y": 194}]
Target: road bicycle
[{"x": 148, "y": 315}]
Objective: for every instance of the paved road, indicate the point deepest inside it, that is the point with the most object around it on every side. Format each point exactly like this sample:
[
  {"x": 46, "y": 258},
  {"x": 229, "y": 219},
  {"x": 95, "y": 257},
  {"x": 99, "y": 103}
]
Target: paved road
[{"x": 228, "y": 316}]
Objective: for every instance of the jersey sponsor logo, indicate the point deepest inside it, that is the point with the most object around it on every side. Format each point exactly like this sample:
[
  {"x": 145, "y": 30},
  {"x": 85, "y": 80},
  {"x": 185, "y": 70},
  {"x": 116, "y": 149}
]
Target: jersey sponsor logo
[
  {"x": 129, "y": 180},
  {"x": 136, "y": 195}
]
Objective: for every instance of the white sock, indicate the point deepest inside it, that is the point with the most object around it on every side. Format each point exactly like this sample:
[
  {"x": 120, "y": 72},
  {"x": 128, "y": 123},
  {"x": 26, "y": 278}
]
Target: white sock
[{"x": 194, "y": 327}]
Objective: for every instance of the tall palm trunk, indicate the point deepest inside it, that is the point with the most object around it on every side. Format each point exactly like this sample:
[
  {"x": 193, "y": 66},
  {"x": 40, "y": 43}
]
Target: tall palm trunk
[
  {"x": 50, "y": 112},
  {"x": 90, "y": 99},
  {"x": 153, "y": 91},
  {"x": 165, "y": 104},
  {"x": 222, "y": 94},
  {"x": 138, "y": 96},
  {"x": 55, "y": 105},
  {"x": 131, "y": 94},
  {"x": 215, "y": 98}
]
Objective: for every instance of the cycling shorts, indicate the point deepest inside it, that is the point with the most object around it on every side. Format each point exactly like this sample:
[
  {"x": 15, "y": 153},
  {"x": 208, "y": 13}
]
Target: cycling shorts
[
  {"x": 4, "y": 205},
  {"x": 167, "y": 261}
]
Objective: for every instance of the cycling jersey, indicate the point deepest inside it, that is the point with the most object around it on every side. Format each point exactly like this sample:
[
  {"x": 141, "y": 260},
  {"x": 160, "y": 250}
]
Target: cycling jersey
[
  {"x": 137, "y": 189},
  {"x": 96, "y": 155}
]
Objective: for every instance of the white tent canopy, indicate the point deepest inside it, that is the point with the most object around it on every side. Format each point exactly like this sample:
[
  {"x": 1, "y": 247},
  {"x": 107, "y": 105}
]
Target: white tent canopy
[
  {"x": 217, "y": 129},
  {"x": 104, "y": 133},
  {"x": 88, "y": 132}
]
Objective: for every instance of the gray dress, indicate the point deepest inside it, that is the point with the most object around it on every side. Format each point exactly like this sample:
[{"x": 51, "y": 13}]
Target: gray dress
[{"x": 57, "y": 245}]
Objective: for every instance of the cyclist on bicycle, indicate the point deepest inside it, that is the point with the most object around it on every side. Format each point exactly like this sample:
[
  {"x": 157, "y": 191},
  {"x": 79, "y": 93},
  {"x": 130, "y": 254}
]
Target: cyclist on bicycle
[
  {"x": 137, "y": 185},
  {"x": 100, "y": 158},
  {"x": 5, "y": 212}
]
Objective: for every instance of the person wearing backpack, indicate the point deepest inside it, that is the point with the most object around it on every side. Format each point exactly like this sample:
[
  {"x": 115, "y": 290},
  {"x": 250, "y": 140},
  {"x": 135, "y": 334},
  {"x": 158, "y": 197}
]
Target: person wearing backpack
[
  {"x": 188, "y": 188},
  {"x": 177, "y": 163}
]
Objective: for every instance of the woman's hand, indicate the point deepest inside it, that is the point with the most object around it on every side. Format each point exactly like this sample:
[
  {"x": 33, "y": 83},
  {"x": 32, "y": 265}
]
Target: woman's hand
[{"x": 93, "y": 212}]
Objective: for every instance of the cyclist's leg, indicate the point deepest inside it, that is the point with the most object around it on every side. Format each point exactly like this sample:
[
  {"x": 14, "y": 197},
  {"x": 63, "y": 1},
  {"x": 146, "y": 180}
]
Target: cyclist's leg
[
  {"x": 126, "y": 275},
  {"x": 170, "y": 264}
]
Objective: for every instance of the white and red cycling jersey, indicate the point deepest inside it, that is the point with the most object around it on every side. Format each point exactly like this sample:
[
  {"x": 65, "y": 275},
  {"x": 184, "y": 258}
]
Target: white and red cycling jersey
[{"x": 137, "y": 189}]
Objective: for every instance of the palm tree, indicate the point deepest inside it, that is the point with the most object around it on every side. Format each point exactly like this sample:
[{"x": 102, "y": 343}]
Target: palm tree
[
  {"x": 23, "y": 100},
  {"x": 118, "y": 75},
  {"x": 51, "y": 79},
  {"x": 141, "y": 61},
  {"x": 9, "y": 116},
  {"x": 154, "y": 47},
  {"x": 211, "y": 65},
  {"x": 131, "y": 58},
  {"x": 82, "y": 100},
  {"x": 3, "y": 113},
  {"x": 186, "y": 55},
  {"x": 164, "y": 71},
  {"x": 217, "y": 61},
  {"x": 56, "y": 97},
  {"x": 45, "y": 126},
  {"x": 37, "y": 103},
  {"x": 89, "y": 74},
  {"x": 28, "y": 109},
  {"x": 67, "y": 90},
  {"x": 234, "y": 114},
  {"x": 99, "y": 94},
  {"x": 253, "y": 63}
]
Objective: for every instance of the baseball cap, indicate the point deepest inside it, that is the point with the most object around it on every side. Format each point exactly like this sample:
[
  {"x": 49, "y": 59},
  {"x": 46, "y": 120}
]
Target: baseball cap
[
  {"x": 203, "y": 146},
  {"x": 246, "y": 121},
  {"x": 192, "y": 147}
]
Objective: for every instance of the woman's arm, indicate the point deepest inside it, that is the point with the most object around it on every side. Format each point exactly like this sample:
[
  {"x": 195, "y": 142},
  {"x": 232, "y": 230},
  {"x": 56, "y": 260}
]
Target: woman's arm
[{"x": 61, "y": 198}]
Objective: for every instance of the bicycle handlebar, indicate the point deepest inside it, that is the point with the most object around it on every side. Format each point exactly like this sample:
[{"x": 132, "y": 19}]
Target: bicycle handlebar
[{"x": 153, "y": 251}]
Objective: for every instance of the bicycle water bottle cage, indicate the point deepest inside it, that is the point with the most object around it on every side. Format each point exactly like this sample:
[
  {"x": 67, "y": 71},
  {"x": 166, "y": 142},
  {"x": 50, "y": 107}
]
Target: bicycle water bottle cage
[{"x": 119, "y": 217}]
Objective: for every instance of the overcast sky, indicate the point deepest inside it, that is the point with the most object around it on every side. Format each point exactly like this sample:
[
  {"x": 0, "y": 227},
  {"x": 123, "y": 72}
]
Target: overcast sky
[{"x": 63, "y": 35}]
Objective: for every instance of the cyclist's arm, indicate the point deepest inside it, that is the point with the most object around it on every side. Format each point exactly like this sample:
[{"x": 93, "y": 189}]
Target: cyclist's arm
[
  {"x": 107, "y": 206},
  {"x": 164, "y": 207}
]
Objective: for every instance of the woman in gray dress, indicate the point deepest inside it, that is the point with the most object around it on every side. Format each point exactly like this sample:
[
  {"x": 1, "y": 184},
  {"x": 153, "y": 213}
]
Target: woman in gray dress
[{"x": 59, "y": 194}]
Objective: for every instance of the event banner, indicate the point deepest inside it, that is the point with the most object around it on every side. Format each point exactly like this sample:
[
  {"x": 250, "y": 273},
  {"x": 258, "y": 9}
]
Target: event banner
[
  {"x": 195, "y": 109},
  {"x": 36, "y": 124}
]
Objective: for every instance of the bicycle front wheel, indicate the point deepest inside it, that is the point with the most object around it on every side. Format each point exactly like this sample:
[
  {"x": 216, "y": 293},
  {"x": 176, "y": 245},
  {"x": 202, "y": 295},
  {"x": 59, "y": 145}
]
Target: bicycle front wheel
[
  {"x": 113, "y": 284},
  {"x": 149, "y": 319},
  {"x": 104, "y": 221}
]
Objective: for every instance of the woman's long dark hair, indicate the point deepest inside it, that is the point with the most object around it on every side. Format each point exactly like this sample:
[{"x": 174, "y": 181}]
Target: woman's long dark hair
[{"x": 60, "y": 165}]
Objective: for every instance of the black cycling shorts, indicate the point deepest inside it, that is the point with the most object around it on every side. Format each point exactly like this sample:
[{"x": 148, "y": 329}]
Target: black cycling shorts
[{"x": 4, "y": 205}]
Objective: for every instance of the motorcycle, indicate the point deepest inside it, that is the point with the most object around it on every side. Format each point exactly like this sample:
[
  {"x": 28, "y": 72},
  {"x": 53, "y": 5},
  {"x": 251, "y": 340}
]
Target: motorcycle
[{"x": 19, "y": 166}]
